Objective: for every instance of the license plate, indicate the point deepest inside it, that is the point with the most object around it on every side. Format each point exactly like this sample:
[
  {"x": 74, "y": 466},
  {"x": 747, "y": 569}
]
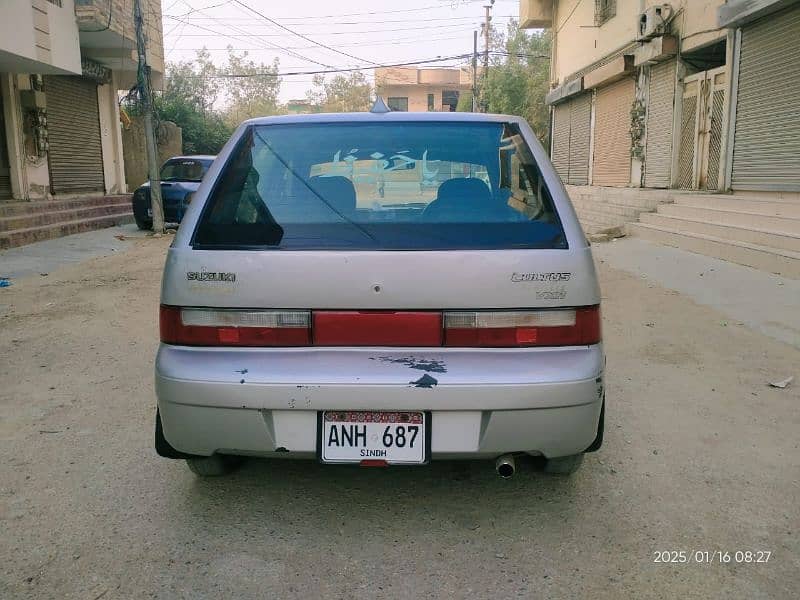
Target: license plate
[
  {"x": 149, "y": 212},
  {"x": 398, "y": 438}
]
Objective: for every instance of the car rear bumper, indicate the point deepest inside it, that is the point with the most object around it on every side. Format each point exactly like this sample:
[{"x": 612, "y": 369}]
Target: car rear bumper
[
  {"x": 173, "y": 209},
  {"x": 483, "y": 402}
]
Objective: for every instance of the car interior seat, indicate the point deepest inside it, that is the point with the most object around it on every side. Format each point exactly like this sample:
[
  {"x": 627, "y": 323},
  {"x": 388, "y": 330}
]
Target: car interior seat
[{"x": 462, "y": 199}]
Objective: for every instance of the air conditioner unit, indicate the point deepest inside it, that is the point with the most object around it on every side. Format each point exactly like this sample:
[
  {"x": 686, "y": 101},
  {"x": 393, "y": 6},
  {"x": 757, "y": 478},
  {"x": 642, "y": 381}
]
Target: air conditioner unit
[{"x": 653, "y": 21}]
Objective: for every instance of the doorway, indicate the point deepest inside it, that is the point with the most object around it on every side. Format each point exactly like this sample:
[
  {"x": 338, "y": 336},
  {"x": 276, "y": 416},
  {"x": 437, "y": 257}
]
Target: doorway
[{"x": 702, "y": 113}]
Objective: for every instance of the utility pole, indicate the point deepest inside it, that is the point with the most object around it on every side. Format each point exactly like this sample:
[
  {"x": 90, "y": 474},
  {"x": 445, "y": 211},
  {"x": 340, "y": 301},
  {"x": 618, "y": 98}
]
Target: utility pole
[
  {"x": 475, "y": 71},
  {"x": 487, "y": 28},
  {"x": 146, "y": 99}
]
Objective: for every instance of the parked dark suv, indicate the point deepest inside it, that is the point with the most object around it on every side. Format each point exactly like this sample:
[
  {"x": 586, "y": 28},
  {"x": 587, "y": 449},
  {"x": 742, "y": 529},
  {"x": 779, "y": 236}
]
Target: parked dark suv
[{"x": 180, "y": 178}]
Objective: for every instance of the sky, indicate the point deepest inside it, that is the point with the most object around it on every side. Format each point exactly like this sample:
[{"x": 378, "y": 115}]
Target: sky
[{"x": 369, "y": 31}]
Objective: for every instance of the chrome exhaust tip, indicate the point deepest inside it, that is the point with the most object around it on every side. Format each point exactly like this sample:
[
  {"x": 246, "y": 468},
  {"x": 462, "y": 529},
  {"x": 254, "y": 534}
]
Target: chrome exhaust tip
[{"x": 505, "y": 466}]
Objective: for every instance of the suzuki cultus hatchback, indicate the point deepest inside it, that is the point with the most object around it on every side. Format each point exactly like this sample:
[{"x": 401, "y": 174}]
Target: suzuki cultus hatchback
[{"x": 380, "y": 289}]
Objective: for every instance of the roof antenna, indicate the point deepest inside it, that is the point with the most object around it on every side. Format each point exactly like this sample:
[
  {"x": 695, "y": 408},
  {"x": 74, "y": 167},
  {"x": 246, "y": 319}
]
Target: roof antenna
[{"x": 380, "y": 106}]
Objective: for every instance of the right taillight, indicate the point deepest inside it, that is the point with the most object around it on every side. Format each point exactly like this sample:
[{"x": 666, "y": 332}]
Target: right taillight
[
  {"x": 222, "y": 327},
  {"x": 508, "y": 329}
]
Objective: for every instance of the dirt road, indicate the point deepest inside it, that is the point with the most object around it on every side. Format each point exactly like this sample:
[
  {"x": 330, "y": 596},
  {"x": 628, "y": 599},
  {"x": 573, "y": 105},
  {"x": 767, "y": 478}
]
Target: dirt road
[{"x": 700, "y": 455}]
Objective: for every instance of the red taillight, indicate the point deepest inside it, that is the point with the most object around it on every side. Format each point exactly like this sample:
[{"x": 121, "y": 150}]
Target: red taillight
[
  {"x": 377, "y": 328},
  {"x": 468, "y": 329},
  {"x": 500, "y": 329},
  {"x": 217, "y": 327}
]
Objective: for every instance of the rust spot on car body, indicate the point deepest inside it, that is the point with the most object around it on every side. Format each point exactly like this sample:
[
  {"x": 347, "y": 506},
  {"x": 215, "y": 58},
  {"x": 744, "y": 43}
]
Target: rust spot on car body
[{"x": 412, "y": 362}]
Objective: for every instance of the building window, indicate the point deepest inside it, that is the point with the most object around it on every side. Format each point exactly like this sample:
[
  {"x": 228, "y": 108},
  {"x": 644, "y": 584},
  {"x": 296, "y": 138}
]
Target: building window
[
  {"x": 56, "y": 2},
  {"x": 604, "y": 10},
  {"x": 400, "y": 104},
  {"x": 449, "y": 100},
  {"x": 430, "y": 103}
]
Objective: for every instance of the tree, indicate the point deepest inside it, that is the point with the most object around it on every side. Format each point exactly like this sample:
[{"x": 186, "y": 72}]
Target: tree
[
  {"x": 464, "y": 102},
  {"x": 518, "y": 80},
  {"x": 193, "y": 91},
  {"x": 251, "y": 88},
  {"x": 190, "y": 92},
  {"x": 343, "y": 93}
]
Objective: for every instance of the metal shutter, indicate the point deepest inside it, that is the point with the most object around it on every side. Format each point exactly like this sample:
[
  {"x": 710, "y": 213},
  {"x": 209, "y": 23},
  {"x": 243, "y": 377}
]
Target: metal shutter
[
  {"x": 579, "y": 133},
  {"x": 5, "y": 169},
  {"x": 766, "y": 151},
  {"x": 73, "y": 126},
  {"x": 560, "y": 144},
  {"x": 612, "y": 134},
  {"x": 660, "y": 110}
]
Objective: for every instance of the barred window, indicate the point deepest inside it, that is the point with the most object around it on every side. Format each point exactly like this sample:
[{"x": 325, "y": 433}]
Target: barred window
[{"x": 604, "y": 10}]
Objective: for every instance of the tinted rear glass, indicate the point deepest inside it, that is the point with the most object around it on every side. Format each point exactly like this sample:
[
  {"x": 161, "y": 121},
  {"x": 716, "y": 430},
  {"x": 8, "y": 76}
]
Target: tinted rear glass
[{"x": 394, "y": 186}]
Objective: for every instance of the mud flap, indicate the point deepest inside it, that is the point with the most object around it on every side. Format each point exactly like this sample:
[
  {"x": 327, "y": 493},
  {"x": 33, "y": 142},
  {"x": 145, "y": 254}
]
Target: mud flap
[
  {"x": 598, "y": 441},
  {"x": 163, "y": 447}
]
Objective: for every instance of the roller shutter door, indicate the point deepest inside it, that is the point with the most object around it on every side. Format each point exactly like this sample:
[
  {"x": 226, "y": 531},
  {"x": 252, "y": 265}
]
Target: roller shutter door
[
  {"x": 580, "y": 132},
  {"x": 612, "y": 134},
  {"x": 660, "y": 111},
  {"x": 5, "y": 169},
  {"x": 73, "y": 125},
  {"x": 571, "y": 131},
  {"x": 560, "y": 144},
  {"x": 766, "y": 148}
]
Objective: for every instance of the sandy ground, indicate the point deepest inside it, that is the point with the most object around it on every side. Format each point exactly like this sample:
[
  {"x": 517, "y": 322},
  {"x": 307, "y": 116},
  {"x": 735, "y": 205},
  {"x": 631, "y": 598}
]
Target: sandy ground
[{"x": 700, "y": 455}]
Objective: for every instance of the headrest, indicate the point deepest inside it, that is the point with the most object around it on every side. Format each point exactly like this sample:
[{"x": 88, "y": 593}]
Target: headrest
[
  {"x": 463, "y": 189},
  {"x": 337, "y": 191},
  {"x": 461, "y": 199}
]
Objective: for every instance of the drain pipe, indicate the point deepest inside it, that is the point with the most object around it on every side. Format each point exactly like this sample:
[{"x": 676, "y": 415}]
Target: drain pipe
[{"x": 505, "y": 466}]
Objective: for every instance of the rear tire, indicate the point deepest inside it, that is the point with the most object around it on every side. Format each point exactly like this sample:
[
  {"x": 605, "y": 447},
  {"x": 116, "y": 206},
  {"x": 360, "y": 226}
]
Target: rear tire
[
  {"x": 144, "y": 225},
  {"x": 563, "y": 465},
  {"x": 215, "y": 465}
]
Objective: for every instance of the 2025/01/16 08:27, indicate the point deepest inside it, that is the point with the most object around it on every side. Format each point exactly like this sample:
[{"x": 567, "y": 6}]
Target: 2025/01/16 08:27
[{"x": 711, "y": 556}]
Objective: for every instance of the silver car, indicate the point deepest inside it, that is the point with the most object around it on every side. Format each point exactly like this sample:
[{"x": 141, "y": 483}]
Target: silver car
[{"x": 380, "y": 289}]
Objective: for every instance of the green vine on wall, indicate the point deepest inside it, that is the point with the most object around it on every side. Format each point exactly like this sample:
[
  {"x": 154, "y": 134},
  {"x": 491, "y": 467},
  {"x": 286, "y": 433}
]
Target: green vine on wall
[{"x": 638, "y": 113}]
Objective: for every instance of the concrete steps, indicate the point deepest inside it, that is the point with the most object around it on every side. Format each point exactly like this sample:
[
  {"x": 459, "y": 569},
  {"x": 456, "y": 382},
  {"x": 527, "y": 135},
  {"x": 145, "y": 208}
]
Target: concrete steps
[
  {"x": 750, "y": 235},
  {"x": 14, "y": 209},
  {"x": 606, "y": 209},
  {"x": 741, "y": 204},
  {"x": 763, "y": 233},
  {"x": 588, "y": 206},
  {"x": 41, "y": 219},
  {"x": 733, "y": 218},
  {"x": 57, "y": 218}
]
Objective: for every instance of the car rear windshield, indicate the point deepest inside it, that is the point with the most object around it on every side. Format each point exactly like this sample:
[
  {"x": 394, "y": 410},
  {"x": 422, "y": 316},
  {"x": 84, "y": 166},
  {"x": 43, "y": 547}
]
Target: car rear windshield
[
  {"x": 392, "y": 186},
  {"x": 184, "y": 169}
]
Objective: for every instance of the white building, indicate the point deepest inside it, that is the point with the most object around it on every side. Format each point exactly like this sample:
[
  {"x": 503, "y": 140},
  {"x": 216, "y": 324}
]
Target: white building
[{"x": 61, "y": 64}]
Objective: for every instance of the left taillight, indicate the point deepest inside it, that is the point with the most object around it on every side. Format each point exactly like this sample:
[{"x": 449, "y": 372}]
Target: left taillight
[{"x": 230, "y": 327}]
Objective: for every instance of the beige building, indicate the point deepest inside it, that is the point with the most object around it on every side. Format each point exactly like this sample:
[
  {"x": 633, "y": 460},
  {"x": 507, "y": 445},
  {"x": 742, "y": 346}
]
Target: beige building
[
  {"x": 422, "y": 90},
  {"x": 652, "y": 99},
  {"x": 61, "y": 65},
  {"x": 690, "y": 94}
]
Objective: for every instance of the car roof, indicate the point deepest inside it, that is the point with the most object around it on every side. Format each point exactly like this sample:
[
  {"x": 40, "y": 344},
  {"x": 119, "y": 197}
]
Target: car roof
[{"x": 394, "y": 116}]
